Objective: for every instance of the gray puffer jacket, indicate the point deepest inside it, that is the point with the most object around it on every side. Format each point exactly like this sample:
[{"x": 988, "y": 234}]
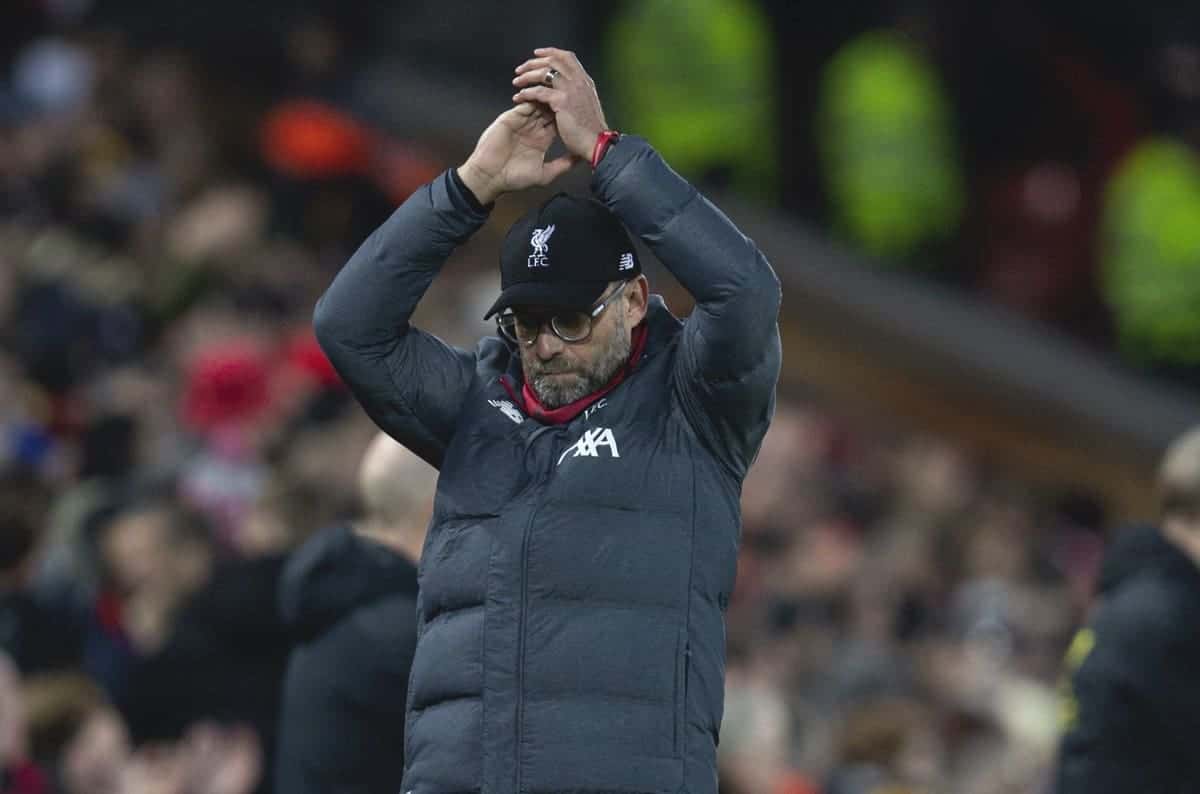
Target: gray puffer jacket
[{"x": 573, "y": 583}]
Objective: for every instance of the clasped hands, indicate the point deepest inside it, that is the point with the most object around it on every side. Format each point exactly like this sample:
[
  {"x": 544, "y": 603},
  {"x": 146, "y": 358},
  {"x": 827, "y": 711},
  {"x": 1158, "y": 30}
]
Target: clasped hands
[{"x": 555, "y": 98}]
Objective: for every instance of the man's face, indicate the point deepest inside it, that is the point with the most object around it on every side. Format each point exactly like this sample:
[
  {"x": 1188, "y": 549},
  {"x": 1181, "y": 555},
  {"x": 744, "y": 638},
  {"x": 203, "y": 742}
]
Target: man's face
[
  {"x": 561, "y": 372},
  {"x": 136, "y": 550}
]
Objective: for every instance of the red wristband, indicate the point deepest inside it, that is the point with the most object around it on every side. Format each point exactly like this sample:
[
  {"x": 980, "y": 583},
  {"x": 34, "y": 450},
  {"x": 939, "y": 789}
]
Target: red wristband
[{"x": 603, "y": 141}]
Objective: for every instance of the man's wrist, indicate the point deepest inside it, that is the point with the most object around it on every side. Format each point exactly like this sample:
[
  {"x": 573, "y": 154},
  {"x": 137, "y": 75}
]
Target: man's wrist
[
  {"x": 479, "y": 185},
  {"x": 605, "y": 138}
]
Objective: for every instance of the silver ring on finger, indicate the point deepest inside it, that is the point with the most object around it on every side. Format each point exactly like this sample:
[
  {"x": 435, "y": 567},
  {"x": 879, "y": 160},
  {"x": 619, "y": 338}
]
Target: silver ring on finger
[{"x": 551, "y": 74}]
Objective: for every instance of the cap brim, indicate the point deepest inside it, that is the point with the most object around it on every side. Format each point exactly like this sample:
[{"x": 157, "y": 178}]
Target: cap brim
[{"x": 571, "y": 296}]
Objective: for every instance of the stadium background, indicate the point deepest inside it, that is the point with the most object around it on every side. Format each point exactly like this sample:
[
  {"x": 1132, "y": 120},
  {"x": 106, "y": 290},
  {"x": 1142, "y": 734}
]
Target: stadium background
[{"x": 987, "y": 225}]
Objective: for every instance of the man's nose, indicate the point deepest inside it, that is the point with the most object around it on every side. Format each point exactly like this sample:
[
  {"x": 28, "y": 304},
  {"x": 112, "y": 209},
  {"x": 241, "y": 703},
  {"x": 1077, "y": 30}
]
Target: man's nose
[{"x": 547, "y": 345}]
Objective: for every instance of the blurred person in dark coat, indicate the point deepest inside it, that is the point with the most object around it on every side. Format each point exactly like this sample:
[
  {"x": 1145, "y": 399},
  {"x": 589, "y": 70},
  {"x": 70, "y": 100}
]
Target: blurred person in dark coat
[
  {"x": 154, "y": 555},
  {"x": 76, "y": 734},
  {"x": 1132, "y": 711},
  {"x": 219, "y": 655},
  {"x": 350, "y": 597},
  {"x": 39, "y": 633}
]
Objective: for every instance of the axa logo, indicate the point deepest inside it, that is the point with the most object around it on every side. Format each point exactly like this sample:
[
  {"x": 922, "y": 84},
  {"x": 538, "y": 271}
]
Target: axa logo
[
  {"x": 540, "y": 240},
  {"x": 590, "y": 443},
  {"x": 508, "y": 409}
]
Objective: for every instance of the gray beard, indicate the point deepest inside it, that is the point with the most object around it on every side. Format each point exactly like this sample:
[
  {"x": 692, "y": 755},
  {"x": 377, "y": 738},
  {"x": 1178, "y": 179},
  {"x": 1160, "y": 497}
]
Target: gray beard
[{"x": 556, "y": 393}]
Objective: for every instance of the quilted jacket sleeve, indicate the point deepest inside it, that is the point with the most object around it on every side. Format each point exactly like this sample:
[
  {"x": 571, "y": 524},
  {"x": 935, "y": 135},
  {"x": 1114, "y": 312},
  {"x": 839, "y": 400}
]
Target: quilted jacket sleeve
[
  {"x": 410, "y": 382},
  {"x": 730, "y": 355}
]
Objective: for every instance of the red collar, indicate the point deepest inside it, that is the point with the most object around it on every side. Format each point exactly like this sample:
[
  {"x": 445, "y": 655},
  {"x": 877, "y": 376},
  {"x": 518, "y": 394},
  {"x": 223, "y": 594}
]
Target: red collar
[{"x": 565, "y": 413}]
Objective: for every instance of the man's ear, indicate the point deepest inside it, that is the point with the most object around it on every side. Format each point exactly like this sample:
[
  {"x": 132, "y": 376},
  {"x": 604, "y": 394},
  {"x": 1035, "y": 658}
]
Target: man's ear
[{"x": 637, "y": 300}]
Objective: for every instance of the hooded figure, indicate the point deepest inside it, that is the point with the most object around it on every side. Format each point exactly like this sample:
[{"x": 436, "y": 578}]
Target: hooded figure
[
  {"x": 349, "y": 596},
  {"x": 1132, "y": 709}
]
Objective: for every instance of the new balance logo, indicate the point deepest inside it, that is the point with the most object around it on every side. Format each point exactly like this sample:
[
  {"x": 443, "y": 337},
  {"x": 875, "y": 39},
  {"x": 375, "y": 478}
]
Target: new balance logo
[
  {"x": 540, "y": 240},
  {"x": 588, "y": 446},
  {"x": 508, "y": 409},
  {"x": 626, "y": 262}
]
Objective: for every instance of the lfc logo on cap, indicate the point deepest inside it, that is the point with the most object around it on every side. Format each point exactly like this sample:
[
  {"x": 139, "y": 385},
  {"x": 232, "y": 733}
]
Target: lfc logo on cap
[{"x": 540, "y": 240}]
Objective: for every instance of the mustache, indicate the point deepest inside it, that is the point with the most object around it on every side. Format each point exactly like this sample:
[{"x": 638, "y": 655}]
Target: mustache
[{"x": 552, "y": 367}]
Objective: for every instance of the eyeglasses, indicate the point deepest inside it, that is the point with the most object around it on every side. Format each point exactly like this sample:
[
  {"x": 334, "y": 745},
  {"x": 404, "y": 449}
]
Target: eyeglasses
[{"x": 523, "y": 327}]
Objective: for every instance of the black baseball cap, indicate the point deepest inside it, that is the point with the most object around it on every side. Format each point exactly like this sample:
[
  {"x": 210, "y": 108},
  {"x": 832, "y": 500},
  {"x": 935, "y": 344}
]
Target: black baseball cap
[{"x": 563, "y": 254}]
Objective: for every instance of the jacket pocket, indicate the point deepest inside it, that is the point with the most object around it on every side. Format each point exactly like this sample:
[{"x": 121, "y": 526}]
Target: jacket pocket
[{"x": 682, "y": 664}]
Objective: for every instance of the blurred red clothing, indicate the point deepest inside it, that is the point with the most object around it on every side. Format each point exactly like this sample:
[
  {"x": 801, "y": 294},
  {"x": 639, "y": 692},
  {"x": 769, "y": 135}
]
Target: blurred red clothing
[
  {"x": 307, "y": 140},
  {"x": 795, "y": 783},
  {"x": 24, "y": 778},
  {"x": 304, "y": 355},
  {"x": 226, "y": 383}
]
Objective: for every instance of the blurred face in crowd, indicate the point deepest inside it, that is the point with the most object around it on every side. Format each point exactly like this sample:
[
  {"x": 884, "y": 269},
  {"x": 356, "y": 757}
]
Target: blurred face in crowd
[
  {"x": 1182, "y": 528},
  {"x": 135, "y": 549},
  {"x": 561, "y": 372},
  {"x": 1184, "y": 532},
  {"x": 1179, "y": 487},
  {"x": 154, "y": 565},
  {"x": 94, "y": 760}
]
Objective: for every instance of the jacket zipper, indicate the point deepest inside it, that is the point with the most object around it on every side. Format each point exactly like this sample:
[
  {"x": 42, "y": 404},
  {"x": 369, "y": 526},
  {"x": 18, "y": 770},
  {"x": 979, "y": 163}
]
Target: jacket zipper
[
  {"x": 521, "y": 647},
  {"x": 544, "y": 475},
  {"x": 681, "y": 694}
]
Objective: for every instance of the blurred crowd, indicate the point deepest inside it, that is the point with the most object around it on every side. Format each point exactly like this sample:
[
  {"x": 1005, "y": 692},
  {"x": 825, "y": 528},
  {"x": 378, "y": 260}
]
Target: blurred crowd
[
  {"x": 900, "y": 615},
  {"x": 1044, "y": 156},
  {"x": 169, "y": 433}
]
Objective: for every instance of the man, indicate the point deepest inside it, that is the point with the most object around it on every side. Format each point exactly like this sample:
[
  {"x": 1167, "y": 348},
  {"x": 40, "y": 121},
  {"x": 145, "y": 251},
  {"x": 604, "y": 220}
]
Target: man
[
  {"x": 350, "y": 596},
  {"x": 585, "y": 531},
  {"x": 1132, "y": 713}
]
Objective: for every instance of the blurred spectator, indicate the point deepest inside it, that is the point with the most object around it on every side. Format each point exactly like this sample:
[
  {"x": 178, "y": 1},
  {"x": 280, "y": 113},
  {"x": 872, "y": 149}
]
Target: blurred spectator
[
  {"x": 1033, "y": 262},
  {"x": 210, "y": 759},
  {"x": 888, "y": 745},
  {"x": 1152, "y": 250},
  {"x": 756, "y": 732},
  {"x": 76, "y": 734},
  {"x": 888, "y": 149},
  {"x": 229, "y": 643},
  {"x": 350, "y": 597},
  {"x": 18, "y": 774},
  {"x": 53, "y": 76},
  {"x": 153, "y": 555},
  {"x": 712, "y": 113},
  {"x": 35, "y": 630},
  {"x": 1039, "y": 188},
  {"x": 1132, "y": 697}
]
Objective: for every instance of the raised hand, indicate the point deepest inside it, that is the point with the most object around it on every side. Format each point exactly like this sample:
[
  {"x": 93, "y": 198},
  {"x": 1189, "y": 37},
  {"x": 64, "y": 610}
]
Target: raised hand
[
  {"x": 570, "y": 94},
  {"x": 511, "y": 154},
  {"x": 222, "y": 760},
  {"x": 155, "y": 770}
]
